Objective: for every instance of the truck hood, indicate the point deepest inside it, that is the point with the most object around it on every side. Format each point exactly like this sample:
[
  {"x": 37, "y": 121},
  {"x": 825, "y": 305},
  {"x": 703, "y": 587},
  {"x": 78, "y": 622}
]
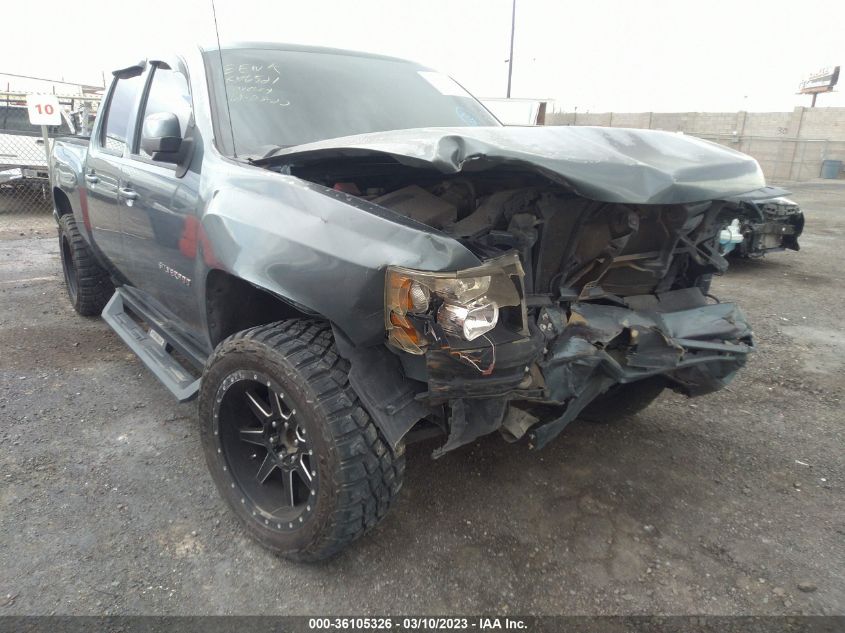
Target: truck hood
[{"x": 605, "y": 164}]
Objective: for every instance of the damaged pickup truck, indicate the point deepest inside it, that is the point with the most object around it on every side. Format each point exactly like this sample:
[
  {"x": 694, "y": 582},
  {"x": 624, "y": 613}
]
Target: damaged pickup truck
[
  {"x": 341, "y": 253},
  {"x": 764, "y": 222}
]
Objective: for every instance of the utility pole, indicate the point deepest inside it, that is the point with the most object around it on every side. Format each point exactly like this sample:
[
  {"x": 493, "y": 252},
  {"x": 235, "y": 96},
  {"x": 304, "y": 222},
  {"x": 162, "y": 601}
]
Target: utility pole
[{"x": 510, "y": 58}]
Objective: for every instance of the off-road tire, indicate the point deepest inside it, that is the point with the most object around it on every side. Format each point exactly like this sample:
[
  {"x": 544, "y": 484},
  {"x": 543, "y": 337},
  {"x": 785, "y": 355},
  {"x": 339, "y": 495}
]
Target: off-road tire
[
  {"x": 89, "y": 286},
  {"x": 359, "y": 475},
  {"x": 622, "y": 401}
]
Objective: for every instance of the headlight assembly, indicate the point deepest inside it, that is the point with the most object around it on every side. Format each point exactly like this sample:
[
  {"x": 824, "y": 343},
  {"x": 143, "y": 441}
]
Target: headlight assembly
[
  {"x": 421, "y": 307},
  {"x": 469, "y": 321}
]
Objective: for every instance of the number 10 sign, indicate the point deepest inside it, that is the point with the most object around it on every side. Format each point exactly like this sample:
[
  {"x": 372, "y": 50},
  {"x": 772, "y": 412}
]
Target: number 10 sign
[{"x": 43, "y": 110}]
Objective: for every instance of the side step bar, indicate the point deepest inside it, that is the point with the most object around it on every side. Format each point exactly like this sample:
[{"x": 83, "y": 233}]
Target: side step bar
[{"x": 180, "y": 383}]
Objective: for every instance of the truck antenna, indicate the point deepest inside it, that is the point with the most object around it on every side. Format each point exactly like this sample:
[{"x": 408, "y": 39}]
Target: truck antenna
[
  {"x": 223, "y": 74},
  {"x": 510, "y": 58}
]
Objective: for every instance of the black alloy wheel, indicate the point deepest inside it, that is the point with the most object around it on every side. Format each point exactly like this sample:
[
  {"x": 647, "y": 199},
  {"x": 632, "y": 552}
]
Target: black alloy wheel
[
  {"x": 290, "y": 447},
  {"x": 266, "y": 448}
]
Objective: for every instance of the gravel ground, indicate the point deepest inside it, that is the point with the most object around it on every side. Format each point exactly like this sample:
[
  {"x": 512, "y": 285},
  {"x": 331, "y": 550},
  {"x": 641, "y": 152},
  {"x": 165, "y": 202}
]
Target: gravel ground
[{"x": 727, "y": 504}]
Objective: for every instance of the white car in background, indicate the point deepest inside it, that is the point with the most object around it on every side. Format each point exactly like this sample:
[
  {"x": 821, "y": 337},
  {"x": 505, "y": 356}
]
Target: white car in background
[
  {"x": 22, "y": 154},
  {"x": 518, "y": 111}
]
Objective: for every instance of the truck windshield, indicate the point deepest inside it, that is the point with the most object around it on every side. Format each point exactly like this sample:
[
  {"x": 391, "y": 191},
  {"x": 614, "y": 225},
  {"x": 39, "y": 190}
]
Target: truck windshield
[{"x": 282, "y": 98}]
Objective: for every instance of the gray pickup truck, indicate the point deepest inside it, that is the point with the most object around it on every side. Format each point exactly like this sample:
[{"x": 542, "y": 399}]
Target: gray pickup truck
[{"x": 343, "y": 253}]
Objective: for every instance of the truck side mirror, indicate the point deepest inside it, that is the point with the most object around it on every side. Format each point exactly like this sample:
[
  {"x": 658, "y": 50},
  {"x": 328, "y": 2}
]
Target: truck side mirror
[{"x": 161, "y": 137}]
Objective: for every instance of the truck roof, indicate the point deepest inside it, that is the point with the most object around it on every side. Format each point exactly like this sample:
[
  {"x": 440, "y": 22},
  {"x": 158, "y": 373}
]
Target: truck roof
[{"x": 280, "y": 46}]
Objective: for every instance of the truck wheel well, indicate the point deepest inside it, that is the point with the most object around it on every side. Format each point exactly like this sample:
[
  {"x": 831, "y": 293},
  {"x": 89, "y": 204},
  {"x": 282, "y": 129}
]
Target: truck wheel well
[
  {"x": 61, "y": 201},
  {"x": 233, "y": 304}
]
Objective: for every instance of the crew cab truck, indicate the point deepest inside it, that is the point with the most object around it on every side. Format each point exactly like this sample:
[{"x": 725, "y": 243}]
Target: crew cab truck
[{"x": 342, "y": 253}]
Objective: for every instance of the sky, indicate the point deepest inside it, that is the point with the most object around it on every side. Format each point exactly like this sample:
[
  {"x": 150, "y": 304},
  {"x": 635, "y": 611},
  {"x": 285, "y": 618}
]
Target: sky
[{"x": 593, "y": 55}]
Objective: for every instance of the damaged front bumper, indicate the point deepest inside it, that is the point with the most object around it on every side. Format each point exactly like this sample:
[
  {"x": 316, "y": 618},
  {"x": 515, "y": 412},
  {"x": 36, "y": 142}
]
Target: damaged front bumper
[
  {"x": 574, "y": 355},
  {"x": 698, "y": 349}
]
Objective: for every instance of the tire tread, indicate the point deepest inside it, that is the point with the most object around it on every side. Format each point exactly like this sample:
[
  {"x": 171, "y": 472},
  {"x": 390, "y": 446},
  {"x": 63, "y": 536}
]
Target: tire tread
[
  {"x": 94, "y": 286},
  {"x": 369, "y": 473}
]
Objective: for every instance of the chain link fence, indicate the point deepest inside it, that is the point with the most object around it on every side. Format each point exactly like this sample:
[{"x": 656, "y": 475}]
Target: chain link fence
[{"x": 25, "y": 197}]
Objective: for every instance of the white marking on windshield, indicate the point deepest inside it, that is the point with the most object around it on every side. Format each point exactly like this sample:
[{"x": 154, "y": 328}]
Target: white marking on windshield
[{"x": 254, "y": 83}]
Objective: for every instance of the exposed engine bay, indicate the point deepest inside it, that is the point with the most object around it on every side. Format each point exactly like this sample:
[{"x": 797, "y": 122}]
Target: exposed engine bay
[
  {"x": 574, "y": 296},
  {"x": 566, "y": 243}
]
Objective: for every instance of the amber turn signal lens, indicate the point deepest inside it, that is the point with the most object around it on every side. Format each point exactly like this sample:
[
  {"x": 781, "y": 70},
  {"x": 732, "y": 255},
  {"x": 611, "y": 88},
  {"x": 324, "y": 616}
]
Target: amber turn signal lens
[
  {"x": 409, "y": 330},
  {"x": 399, "y": 293}
]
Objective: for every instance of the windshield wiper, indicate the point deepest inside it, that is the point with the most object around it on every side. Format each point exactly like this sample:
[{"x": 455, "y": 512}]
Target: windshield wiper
[{"x": 261, "y": 156}]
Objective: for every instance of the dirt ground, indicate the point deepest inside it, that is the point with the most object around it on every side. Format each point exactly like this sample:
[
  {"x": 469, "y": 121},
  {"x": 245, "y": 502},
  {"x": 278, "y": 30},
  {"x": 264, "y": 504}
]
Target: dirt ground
[{"x": 728, "y": 504}]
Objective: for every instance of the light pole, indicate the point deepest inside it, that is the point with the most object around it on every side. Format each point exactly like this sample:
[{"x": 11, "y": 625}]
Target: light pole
[{"x": 510, "y": 57}]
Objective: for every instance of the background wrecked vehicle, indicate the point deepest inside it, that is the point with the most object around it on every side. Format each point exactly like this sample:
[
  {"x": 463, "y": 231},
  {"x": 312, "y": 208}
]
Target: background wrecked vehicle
[
  {"x": 765, "y": 222},
  {"x": 335, "y": 282}
]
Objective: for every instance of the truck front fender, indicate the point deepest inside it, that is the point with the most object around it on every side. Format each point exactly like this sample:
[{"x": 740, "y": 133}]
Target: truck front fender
[{"x": 319, "y": 249}]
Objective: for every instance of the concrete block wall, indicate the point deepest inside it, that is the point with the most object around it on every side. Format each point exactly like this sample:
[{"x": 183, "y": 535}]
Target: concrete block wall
[
  {"x": 671, "y": 121},
  {"x": 637, "y": 119},
  {"x": 826, "y": 123},
  {"x": 765, "y": 123},
  {"x": 788, "y": 145},
  {"x": 561, "y": 118},
  {"x": 604, "y": 119}
]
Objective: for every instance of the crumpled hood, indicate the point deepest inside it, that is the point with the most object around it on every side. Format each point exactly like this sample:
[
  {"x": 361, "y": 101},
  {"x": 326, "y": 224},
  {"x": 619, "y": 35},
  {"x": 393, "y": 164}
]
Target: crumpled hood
[{"x": 605, "y": 164}]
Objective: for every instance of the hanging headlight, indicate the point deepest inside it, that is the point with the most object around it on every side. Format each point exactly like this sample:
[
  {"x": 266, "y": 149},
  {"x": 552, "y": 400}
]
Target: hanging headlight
[{"x": 463, "y": 303}]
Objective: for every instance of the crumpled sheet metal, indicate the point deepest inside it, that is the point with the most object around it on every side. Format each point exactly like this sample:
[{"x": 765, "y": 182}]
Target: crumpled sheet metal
[
  {"x": 579, "y": 367},
  {"x": 601, "y": 323},
  {"x": 605, "y": 164},
  {"x": 471, "y": 420}
]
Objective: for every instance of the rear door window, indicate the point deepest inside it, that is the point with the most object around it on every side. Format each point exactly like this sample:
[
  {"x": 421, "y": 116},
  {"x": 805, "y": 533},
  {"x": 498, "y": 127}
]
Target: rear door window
[{"x": 116, "y": 125}]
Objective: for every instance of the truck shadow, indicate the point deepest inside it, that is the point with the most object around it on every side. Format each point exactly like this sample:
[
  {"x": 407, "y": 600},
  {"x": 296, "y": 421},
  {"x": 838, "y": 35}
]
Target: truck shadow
[{"x": 600, "y": 495}]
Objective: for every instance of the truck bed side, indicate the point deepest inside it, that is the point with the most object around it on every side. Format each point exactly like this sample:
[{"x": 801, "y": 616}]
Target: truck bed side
[{"x": 67, "y": 165}]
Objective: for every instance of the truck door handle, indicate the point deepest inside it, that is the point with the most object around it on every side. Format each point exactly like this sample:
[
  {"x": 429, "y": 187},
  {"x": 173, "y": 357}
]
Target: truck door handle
[
  {"x": 129, "y": 194},
  {"x": 91, "y": 178}
]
